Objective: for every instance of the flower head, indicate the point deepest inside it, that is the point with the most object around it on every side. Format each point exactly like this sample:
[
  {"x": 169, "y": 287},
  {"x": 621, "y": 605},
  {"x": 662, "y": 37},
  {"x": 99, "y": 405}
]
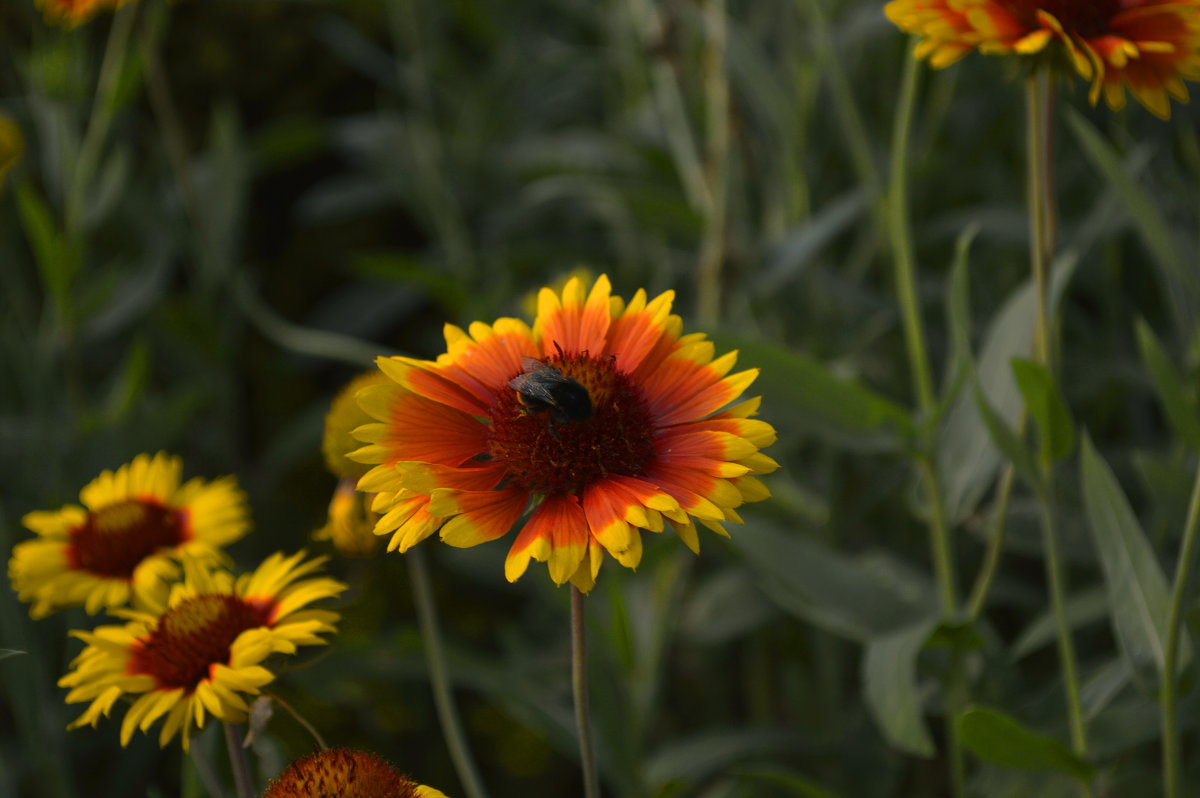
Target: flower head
[
  {"x": 1148, "y": 46},
  {"x": 461, "y": 446},
  {"x": 12, "y": 147},
  {"x": 201, "y": 646},
  {"x": 69, "y": 13},
  {"x": 351, "y": 523},
  {"x": 343, "y": 773},
  {"x": 133, "y": 526}
]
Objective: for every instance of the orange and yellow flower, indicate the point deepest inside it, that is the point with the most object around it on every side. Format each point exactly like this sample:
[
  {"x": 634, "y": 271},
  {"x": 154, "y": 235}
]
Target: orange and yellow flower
[
  {"x": 70, "y": 13},
  {"x": 125, "y": 540},
  {"x": 345, "y": 773},
  {"x": 1148, "y": 46},
  {"x": 202, "y": 645},
  {"x": 456, "y": 449}
]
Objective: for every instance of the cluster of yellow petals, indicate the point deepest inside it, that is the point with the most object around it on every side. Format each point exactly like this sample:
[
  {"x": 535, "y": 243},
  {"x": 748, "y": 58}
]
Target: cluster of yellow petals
[{"x": 1149, "y": 47}]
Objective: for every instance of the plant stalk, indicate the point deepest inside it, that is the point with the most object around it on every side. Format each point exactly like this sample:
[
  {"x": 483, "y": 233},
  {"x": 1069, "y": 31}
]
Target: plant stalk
[
  {"x": 579, "y": 687},
  {"x": 1168, "y": 697},
  {"x": 238, "y": 761},
  {"x": 1040, "y": 203},
  {"x": 439, "y": 677},
  {"x": 716, "y": 167}
]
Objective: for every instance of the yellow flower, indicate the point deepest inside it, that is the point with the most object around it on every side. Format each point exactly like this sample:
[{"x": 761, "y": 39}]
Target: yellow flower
[
  {"x": 1148, "y": 46},
  {"x": 600, "y": 420},
  {"x": 12, "y": 146},
  {"x": 344, "y": 773},
  {"x": 351, "y": 524},
  {"x": 69, "y": 13},
  {"x": 201, "y": 646},
  {"x": 126, "y": 538}
]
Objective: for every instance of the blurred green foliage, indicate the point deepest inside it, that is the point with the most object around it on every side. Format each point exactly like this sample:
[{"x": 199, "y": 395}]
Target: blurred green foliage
[{"x": 280, "y": 190}]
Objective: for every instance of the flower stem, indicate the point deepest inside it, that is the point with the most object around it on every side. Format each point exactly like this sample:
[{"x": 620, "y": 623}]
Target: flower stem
[
  {"x": 238, "y": 761},
  {"x": 579, "y": 685},
  {"x": 995, "y": 546},
  {"x": 1040, "y": 203},
  {"x": 439, "y": 676},
  {"x": 316, "y": 735},
  {"x": 1183, "y": 573},
  {"x": 900, "y": 234}
]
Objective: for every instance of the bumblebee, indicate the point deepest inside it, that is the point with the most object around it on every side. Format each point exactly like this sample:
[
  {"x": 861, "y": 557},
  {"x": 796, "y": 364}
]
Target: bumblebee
[{"x": 541, "y": 386}]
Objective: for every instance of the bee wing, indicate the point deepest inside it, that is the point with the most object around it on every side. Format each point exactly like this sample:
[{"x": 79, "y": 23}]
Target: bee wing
[{"x": 532, "y": 364}]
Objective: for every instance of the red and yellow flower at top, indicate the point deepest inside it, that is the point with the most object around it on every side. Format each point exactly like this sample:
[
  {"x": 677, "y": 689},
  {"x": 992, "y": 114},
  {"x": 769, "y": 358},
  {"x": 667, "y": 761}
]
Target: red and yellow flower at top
[
  {"x": 200, "y": 645},
  {"x": 126, "y": 539},
  {"x": 1148, "y": 46},
  {"x": 456, "y": 449},
  {"x": 70, "y": 13}
]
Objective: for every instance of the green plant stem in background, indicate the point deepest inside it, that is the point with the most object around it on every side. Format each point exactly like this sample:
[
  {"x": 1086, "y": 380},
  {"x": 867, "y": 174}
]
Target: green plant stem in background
[
  {"x": 103, "y": 108},
  {"x": 900, "y": 234},
  {"x": 1040, "y": 201},
  {"x": 316, "y": 735},
  {"x": 1183, "y": 573},
  {"x": 456, "y": 741},
  {"x": 579, "y": 687},
  {"x": 914, "y": 334},
  {"x": 995, "y": 547},
  {"x": 238, "y": 762},
  {"x": 716, "y": 166}
]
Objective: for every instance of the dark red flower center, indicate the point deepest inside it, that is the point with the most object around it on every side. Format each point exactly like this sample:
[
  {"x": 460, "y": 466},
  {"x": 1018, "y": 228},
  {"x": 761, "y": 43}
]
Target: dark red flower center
[
  {"x": 115, "y": 539},
  {"x": 1085, "y": 18},
  {"x": 548, "y": 454},
  {"x": 193, "y": 636},
  {"x": 340, "y": 773}
]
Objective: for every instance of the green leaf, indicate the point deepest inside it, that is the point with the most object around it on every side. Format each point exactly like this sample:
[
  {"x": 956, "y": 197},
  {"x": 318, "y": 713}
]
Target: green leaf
[
  {"x": 1180, "y": 409},
  {"x": 797, "y": 784},
  {"x": 1180, "y": 284},
  {"x": 1056, "y": 431},
  {"x": 1009, "y": 443},
  {"x": 56, "y": 260},
  {"x": 889, "y": 674},
  {"x": 967, "y": 458},
  {"x": 1137, "y": 589},
  {"x": 1082, "y": 608},
  {"x": 999, "y": 738},
  {"x": 828, "y": 589},
  {"x": 801, "y": 392}
]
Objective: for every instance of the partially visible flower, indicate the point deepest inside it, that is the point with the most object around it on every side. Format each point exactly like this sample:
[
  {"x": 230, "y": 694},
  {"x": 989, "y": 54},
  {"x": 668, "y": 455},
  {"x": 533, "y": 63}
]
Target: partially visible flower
[
  {"x": 1148, "y": 46},
  {"x": 69, "y": 13},
  {"x": 125, "y": 540},
  {"x": 12, "y": 146},
  {"x": 529, "y": 302},
  {"x": 351, "y": 522},
  {"x": 344, "y": 773},
  {"x": 459, "y": 449},
  {"x": 201, "y": 646}
]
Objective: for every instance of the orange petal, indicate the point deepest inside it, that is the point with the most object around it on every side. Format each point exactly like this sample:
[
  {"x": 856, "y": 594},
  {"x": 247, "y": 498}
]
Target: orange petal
[
  {"x": 484, "y": 361},
  {"x": 422, "y": 377},
  {"x": 638, "y": 329},
  {"x": 416, "y": 428},
  {"x": 428, "y": 477},
  {"x": 483, "y": 515},
  {"x": 574, "y": 324},
  {"x": 556, "y": 533}
]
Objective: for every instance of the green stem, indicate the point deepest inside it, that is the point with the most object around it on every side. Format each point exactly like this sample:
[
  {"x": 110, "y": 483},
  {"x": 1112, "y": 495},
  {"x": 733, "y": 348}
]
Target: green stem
[
  {"x": 995, "y": 546},
  {"x": 1040, "y": 202},
  {"x": 904, "y": 261},
  {"x": 101, "y": 118},
  {"x": 443, "y": 698},
  {"x": 579, "y": 687},
  {"x": 716, "y": 91},
  {"x": 238, "y": 761},
  {"x": 1183, "y": 573},
  {"x": 316, "y": 735}
]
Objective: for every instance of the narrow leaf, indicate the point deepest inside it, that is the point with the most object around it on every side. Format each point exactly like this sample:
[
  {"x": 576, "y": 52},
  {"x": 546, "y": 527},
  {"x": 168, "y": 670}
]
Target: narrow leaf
[
  {"x": 1180, "y": 409},
  {"x": 1137, "y": 589},
  {"x": 999, "y": 738},
  {"x": 889, "y": 674},
  {"x": 1056, "y": 431}
]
